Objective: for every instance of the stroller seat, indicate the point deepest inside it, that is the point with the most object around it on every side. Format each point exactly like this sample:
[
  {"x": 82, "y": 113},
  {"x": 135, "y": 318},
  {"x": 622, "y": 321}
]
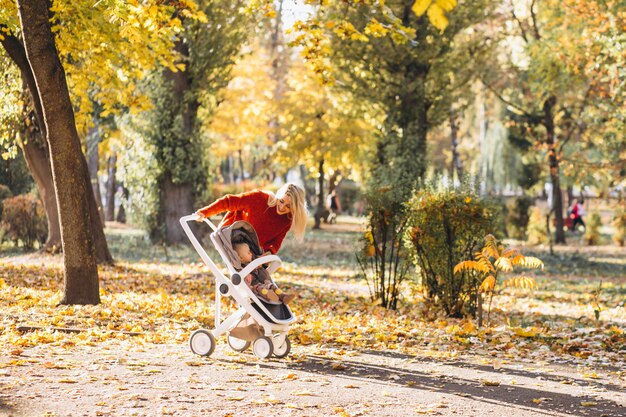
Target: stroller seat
[{"x": 266, "y": 323}]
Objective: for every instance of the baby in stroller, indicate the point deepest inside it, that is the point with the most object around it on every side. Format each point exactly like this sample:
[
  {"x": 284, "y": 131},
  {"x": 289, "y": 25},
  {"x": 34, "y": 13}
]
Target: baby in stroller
[
  {"x": 259, "y": 280},
  {"x": 241, "y": 245}
]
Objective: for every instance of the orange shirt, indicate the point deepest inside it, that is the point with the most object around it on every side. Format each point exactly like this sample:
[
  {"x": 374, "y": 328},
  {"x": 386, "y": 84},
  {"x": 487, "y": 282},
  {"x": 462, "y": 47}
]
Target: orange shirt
[{"x": 252, "y": 207}]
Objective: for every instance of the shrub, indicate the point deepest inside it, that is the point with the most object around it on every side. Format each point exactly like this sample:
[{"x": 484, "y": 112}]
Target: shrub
[
  {"x": 382, "y": 256},
  {"x": 592, "y": 229},
  {"x": 536, "y": 230},
  {"x": 517, "y": 216},
  {"x": 23, "y": 218},
  {"x": 619, "y": 222},
  {"x": 447, "y": 226}
]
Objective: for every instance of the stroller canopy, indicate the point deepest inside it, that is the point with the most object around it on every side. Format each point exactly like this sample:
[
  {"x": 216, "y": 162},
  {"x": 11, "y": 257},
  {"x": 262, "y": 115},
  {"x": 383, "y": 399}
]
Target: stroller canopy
[{"x": 239, "y": 232}]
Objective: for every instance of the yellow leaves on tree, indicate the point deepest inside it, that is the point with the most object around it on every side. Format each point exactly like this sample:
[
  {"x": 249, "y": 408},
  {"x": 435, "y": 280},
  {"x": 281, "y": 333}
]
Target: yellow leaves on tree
[{"x": 436, "y": 11}]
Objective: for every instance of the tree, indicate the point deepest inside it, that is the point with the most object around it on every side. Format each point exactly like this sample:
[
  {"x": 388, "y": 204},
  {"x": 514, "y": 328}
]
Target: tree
[
  {"x": 330, "y": 133},
  {"x": 68, "y": 161},
  {"x": 103, "y": 59},
  {"x": 179, "y": 95},
  {"x": 548, "y": 85}
]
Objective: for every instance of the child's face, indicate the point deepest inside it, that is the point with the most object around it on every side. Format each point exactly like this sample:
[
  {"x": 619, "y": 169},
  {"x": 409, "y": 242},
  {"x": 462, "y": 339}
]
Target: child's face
[{"x": 243, "y": 250}]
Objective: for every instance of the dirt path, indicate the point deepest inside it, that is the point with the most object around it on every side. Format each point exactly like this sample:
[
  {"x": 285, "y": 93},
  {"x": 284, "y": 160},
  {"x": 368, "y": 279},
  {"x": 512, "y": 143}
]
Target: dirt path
[{"x": 153, "y": 380}]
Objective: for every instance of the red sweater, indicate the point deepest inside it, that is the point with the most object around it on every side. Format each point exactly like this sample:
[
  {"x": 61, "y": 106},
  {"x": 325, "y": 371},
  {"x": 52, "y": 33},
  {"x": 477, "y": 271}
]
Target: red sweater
[{"x": 252, "y": 207}]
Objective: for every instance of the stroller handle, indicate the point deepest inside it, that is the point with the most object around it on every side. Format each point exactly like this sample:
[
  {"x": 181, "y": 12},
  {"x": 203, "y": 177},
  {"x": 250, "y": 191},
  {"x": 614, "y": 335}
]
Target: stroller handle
[{"x": 195, "y": 217}]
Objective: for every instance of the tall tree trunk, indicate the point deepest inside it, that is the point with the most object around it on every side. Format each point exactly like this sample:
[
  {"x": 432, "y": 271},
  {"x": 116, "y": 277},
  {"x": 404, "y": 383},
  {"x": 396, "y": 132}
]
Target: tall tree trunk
[
  {"x": 17, "y": 53},
  {"x": 93, "y": 162},
  {"x": 176, "y": 201},
  {"x": 177, "y": 198},
  {"x": 121, "y": 211},
  {"x": 332, "y": 181},
  {"x": 553, "y": 160},
  {"x": 38, "y": 163},
  {"x": 570, "y": 195},
  {"x": 457, "y": 164},
  {"x": 319, "y": 212},
  {"x": 111, "y": 187},
  {"x": 240, "y": 160},
  {"x": 309, "y": 191},
  {"x": 68, "y": 162}
]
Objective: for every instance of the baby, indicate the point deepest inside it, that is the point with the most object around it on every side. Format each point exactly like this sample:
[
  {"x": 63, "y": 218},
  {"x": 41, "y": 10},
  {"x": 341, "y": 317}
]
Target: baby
[{"x": 259, "y": 280}]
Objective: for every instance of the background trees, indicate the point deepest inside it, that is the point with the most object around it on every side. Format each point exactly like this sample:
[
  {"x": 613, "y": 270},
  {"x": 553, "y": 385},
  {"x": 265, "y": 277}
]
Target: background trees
[{"x": 177, "y": 103}]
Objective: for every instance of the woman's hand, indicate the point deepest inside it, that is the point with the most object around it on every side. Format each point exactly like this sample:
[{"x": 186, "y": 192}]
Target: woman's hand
[{"x": 200, "y": 216}]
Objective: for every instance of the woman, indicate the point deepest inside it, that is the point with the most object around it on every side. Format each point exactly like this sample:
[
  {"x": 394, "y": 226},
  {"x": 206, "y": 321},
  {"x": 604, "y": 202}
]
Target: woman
[{"x": 272, "y": 216}]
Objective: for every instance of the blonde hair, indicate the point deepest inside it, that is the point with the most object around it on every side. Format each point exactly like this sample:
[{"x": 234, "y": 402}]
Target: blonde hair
[{"x": 299, "y": 211}]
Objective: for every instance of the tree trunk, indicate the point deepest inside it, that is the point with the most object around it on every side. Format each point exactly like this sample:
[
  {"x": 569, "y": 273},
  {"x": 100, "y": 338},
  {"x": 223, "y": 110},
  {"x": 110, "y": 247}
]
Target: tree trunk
[
  {"x": 176, "y": 201},
  {"x": 16, "y": 51},
  {"x": 332, "y": 181},
  {"x": 177, "y": 198},
  {"x": 457, "y": 164},
  {"x": 240, "y": 160},
  {"x": 319, "y": 212},
  {"x": 93, "y": 162},
  {"x": 68, "y": 162},
  {"x": 39, "y": 166},
  {"x": 309, "y": 191},
  {"x": 121, "y": 211},
  {"x": 35, "y": 148},
  {"x": 111, "y": 187},
  {"x": 557, "y": 195}
]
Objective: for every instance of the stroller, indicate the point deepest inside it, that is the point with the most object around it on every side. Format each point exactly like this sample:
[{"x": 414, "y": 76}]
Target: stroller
[{"x": 263, "y": 324}]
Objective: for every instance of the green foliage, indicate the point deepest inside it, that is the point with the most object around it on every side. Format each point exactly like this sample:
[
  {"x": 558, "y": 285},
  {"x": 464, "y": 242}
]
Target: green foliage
[
  {"x": 383, "y": 257},
  {"x": 619, "y": 223},
  {"x": 15, "y": 175},
  {"x": 592, "y": 229},
  {"x": 536, "y": 229},
  {"x": 447, "y": 226},
  {"x": 5, "y": 193},
  {"x": 24, "y": 219},
  {"x": 517, "y": 216}
]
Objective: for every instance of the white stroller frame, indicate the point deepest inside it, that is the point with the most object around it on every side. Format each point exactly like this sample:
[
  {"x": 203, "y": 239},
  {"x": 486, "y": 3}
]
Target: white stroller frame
[{"x": 275, "y": 340}]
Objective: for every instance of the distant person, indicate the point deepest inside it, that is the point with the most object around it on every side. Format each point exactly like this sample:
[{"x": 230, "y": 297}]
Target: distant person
[
  {"x": 334, "y": 207},
  {"x": 576, "y": 213}
]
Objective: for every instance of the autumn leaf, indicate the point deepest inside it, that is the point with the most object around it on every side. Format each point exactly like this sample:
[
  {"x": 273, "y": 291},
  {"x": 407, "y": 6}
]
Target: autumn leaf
[
  {"x": 437, "y": 17},
  {"x": 420, "y": 7}
]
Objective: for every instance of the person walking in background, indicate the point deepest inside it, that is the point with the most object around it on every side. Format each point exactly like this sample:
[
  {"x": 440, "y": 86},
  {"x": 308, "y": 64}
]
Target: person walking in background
[
  {"x": 334, "y": 207},
  {"x": 576, "y": 213}
]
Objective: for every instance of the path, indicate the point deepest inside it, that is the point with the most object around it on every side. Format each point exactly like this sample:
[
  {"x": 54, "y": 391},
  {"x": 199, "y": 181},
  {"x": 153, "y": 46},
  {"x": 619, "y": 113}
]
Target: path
[{"x": 158, "y": 380}]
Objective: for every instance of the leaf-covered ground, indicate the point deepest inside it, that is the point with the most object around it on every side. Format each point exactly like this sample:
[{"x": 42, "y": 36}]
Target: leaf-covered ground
[{"x": 544, "y": 351}]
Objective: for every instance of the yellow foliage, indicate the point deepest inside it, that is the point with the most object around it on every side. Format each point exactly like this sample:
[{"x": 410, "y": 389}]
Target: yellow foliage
[
  {"x": 447, "y": 5},
  {"x": 504, "y": 264},
  {"x": 470, "y": 266},
  {"x": 437, "y": 17},
  {"x": 488, "y": 284},
  {"x": 527, "y": 261},
  {"x": 528, "y": 332},
  {"x": 520, "y": 282},
  {"x": 420, "y": 7}
]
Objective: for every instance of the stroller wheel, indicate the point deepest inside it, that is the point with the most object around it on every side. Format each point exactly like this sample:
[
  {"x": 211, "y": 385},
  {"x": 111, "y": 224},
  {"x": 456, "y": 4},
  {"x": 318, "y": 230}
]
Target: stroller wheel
[
  {"x": 283, "y": 350},
  {"x": 202, "y": 342},
  {"x": 238, "y": 345},
  {"x": 263, "y": 347}
]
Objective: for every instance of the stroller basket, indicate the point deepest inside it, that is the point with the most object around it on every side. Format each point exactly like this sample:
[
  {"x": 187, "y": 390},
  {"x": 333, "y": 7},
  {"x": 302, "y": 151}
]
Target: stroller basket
[{"x": 269, "y": 322}]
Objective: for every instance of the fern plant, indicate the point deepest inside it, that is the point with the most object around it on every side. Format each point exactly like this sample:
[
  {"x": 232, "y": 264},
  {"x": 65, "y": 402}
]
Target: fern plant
[{"x": 493, "y": 261}]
